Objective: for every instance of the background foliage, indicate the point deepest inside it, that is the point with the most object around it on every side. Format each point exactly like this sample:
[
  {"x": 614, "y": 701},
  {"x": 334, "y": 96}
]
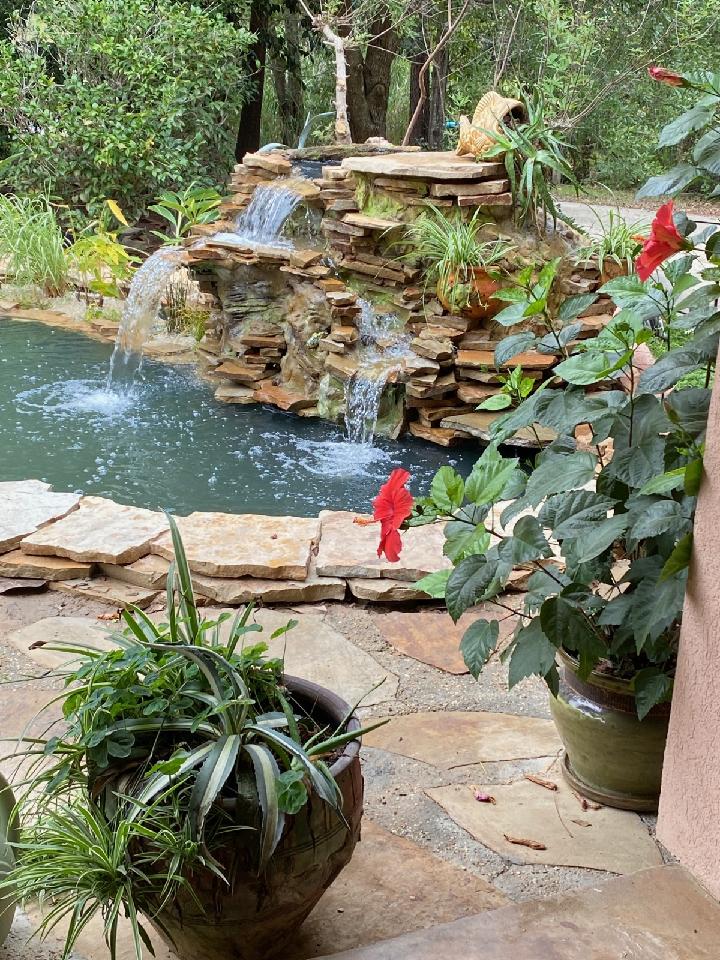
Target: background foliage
[{"x": 109, "y": 99}]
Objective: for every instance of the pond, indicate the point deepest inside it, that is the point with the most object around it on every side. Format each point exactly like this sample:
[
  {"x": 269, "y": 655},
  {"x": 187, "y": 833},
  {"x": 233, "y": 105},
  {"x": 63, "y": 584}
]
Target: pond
[{"x": 163, "y": 441}]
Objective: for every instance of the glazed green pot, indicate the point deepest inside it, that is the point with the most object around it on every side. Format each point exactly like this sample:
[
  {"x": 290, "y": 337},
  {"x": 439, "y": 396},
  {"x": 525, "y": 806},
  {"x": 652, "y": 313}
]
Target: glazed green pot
[
  {"x": 610, "y": 756},
  {"x": 7, "y": 859}
]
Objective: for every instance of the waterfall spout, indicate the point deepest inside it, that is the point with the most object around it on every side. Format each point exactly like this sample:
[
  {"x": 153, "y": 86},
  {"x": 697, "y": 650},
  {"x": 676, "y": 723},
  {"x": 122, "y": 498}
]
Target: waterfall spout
[
  {"x": 266, "y": 215},
  {"x": 141, "y": 308}
]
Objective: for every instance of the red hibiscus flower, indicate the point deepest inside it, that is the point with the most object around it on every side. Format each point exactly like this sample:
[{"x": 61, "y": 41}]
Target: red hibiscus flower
[
  {"x": 391, "y": 507},
  {"x": 663, "y": 242},
  {"x": 670, "y": 77}
]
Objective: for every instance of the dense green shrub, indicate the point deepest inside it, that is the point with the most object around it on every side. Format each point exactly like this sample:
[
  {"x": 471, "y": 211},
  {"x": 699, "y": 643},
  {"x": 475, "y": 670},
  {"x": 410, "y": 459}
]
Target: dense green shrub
[{"x": 120, "y": 98}]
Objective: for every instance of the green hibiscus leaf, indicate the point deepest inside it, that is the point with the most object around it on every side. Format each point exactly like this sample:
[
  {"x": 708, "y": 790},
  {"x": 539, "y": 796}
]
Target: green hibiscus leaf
[
  {"x": 532, "y": 654},
  {"x": 559, "y": 473},
  {"x": 478, "y": 643},
  {"x": 652, "y": 686},
  {"x": 434, "y": 584},
  {"x": 447, "y": 489},
  {"x": 564, "y": 624}
]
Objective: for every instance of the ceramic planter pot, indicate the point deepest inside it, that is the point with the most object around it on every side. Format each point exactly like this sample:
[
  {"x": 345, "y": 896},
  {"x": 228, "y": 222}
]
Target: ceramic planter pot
[
  {"x": 8, "y": 834},
  {"x": 610, "y": 756},
  {"x": 481, "y": 305},
  {"x": 256, "y": 916}
]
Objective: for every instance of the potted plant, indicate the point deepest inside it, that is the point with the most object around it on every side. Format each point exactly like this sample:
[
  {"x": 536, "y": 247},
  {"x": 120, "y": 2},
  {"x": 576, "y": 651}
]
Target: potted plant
[
  {"x": 605, "y": 528},
  {"x": 458, "y": 261},
  {"x": 615, "y": 248},
  {"x": 194, "y": 784}
]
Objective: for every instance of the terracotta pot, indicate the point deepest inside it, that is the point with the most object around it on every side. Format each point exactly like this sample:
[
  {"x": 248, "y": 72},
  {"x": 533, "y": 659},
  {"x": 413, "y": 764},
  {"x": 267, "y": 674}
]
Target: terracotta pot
[
  {"x": 610, "y": 756},
  {"x": 612, "y": 270},
  {"x": 481, "y": 305},
  {"x": 8, "y": 834},
  {"x": 257, "y": 915}
]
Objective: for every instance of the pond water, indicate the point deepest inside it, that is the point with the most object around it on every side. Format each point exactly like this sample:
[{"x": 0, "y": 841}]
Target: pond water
[{"x": 163, "y": 441}]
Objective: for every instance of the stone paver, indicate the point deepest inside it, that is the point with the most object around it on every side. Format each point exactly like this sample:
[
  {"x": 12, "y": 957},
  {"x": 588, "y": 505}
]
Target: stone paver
[
  {"x": 230, "y": 545},
  {"x": 99, "y": 531},
  {"x": 657, "y": 914},
  {"x": 348, "y": 549},
  {"x": 19, "y": 564},
  {"x": 76, "y": 631},
  {"x": 431, "y": 636},
  {"x": 391, "y": 886},
  {"x": 605, "y": 839},
  {"x": 431, "y": 165},
  {"x": 315, "y": 651},
  {"x": 27, "y": 505},
  {"x": 107, "y": 590},
  {"x": 454, "y": 739}
]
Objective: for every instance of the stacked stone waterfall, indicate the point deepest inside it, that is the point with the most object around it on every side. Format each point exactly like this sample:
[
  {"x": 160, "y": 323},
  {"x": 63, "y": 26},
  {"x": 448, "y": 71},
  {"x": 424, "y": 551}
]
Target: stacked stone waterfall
[{"x": 286, "y": 329}]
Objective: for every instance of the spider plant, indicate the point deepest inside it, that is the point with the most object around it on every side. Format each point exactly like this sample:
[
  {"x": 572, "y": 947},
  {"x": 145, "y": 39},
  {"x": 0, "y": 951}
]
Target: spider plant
[
  {"x": 180, "y": 743},
  {"x": 618, "y": 242},
  {"x": 453, "y": 249},
  {"x": 532, "y": 152},
  {"x": 32, "y": 242}
]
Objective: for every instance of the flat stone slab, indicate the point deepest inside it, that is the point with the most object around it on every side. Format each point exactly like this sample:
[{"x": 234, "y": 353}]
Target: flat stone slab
[
  {"x": 244, "y": 545},
  {"x": 479, "y": 425},
  {"x": 75, "y": 631},
  {"x": 431, "y": 637},
  {"x": 19, "y": 564},
  {"x": 456, "y": 739},
  {"x": 656, "y": 914},
  {"x": 28, "y": 505},
  {"x": 149, "y": 572},
  {"x": 384, "y": 590},
  {"x": 315, "y": 651},
  {"x": 430, "y": 165},
  {"x": 391, "y": 886},
  {"x": 21, "y": 585},
  {"x": 106, "y": 590},
  {"x": 99, "y": 531},
  {"x": 604, "y": 839},
  {"x": 246, "y": 589},
  {"x": 348, "y": 549}
]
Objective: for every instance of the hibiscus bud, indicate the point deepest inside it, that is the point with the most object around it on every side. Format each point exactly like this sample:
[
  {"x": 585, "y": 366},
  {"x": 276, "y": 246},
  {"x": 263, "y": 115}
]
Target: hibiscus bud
[{"x": 670, "y": 77}]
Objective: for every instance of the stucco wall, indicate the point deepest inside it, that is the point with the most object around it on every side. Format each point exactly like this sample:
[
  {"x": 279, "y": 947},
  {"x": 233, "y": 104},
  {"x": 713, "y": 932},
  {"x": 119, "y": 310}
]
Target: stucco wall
[{"x": 689, "y": 823}]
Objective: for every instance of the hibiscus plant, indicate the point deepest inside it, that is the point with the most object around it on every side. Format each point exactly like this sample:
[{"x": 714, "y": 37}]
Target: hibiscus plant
[{"x": 603, "y": 524}]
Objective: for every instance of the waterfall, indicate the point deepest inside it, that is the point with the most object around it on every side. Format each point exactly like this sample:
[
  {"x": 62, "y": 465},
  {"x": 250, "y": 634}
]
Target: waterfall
[
  {"x": 381, "y": 352},
  {"x": 266, "y": 215},
  {"x": 141, "y": 308}
]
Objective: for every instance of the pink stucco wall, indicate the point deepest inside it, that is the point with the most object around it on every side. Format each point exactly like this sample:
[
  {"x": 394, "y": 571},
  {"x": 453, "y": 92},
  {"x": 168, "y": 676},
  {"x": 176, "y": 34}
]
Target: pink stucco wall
[{"x": 689, "y": 823}]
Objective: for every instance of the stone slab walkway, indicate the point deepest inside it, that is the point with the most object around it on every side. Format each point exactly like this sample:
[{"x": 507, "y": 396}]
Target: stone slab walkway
[{"x": 431, "y": 852}]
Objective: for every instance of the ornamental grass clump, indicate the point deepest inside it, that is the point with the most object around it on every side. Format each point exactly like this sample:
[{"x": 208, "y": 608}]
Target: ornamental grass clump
[
  {"x": 32, "y": 242},
  {"x": 184, "y": 752}
]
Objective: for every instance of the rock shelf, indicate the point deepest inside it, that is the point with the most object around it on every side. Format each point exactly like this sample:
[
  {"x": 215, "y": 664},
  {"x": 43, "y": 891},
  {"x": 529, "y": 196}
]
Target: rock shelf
[
  {"x": 286, "y": 317},
  {"x": 98, "y": 549}
]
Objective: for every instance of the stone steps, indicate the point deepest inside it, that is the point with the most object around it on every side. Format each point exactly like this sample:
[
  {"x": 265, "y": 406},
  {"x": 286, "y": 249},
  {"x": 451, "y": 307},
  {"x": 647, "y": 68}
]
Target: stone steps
[{"x": 656, "y": 914}]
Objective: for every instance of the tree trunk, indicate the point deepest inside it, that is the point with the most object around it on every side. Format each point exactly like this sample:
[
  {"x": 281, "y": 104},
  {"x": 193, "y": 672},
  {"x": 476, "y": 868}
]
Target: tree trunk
[
  {"x": 438, "y": 90},
  {"x": 287, "y": 78},
  {"x": 418, "y": 57},
  {"x": 248, "y": 136},
  {"x": 369, "y": 80}
]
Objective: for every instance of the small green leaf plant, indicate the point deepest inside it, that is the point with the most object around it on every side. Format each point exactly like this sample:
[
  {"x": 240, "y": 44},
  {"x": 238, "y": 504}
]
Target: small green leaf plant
[
  {"x": 515, "y": 388},
  {"x": 185, "y": 209},
  {"x": 180, "y": 742}
]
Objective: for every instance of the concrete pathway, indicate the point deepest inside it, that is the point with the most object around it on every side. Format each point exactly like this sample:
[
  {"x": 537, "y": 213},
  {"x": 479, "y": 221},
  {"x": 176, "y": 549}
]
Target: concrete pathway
[
  {"x": 434, "y": 849},
  {"x": 589, "y": 216}
]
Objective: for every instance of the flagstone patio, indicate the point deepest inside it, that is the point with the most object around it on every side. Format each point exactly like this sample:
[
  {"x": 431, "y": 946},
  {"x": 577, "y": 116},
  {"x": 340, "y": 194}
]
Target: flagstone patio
[{"x": 435, "y": 848}]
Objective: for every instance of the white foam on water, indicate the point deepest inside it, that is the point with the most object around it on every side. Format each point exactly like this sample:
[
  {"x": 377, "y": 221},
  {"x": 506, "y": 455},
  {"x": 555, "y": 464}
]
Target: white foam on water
[{"x": 79, "y": 397}]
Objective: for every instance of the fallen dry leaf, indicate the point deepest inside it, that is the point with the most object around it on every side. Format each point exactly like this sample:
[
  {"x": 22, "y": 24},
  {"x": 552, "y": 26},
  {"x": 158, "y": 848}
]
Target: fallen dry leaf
[
  {"x": 541, "y": 781},
  {"x": 524, "y": 842},
  {"x": 483, "y": 797},
  {"x": 115, "y": 615},
  {"x": 587, "y": 804},
  {"x": 581, "y": 823}
]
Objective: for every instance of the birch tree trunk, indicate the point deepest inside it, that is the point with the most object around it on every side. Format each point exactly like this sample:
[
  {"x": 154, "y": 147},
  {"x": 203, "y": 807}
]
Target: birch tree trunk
[{"x": 342, "y": 126}]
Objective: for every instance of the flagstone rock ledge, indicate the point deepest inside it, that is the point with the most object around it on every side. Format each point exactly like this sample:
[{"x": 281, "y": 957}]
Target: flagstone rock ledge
[{"x": 93, "y": 547}]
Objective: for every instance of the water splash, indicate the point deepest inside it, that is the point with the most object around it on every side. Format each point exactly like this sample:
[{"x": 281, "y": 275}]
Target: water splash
[
  {"x": 383, "y": 347},
  {"x": 141, "y": 309}
]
